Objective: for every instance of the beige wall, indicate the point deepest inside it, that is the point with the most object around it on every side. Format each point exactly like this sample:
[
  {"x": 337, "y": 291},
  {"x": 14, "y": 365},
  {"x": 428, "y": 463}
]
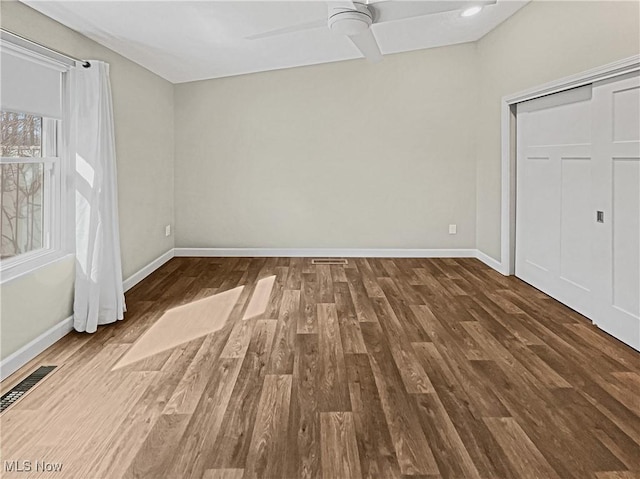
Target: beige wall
[
  {"x": 341, "y": 155},
  {"x": 542, "y": 42},
  {"x": 35, "y": 303},
  {"x": 143, "y": 109}
]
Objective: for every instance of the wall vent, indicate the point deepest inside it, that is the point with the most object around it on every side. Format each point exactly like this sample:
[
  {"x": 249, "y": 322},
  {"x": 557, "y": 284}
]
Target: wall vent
[
  {"x": 20, "y": 389},
  {"x": 329, "y": 261}
]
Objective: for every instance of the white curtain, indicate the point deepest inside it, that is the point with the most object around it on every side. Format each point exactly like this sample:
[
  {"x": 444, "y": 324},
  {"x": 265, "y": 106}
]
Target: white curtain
[{"x": 99, "y": 297}]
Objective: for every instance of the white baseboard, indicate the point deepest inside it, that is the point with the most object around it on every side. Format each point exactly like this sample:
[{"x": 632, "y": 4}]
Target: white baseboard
[
  {"x": 26, "y": 353},
  {"x": 341, "y": 253},
  {"x": 491, "y": 262},
  {"x": 326, "y": 252},
  {"x": 135, "y": 278}
]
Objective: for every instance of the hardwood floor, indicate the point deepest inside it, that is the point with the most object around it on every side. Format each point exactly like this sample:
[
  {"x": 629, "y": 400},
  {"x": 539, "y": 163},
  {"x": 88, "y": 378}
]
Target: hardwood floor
[{"x": 430, "y": 368}]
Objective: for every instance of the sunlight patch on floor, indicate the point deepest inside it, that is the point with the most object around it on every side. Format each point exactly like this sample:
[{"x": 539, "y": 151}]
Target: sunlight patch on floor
[
  {"x": 182, "y": 324},
  {"x": 260, "y": 298}
]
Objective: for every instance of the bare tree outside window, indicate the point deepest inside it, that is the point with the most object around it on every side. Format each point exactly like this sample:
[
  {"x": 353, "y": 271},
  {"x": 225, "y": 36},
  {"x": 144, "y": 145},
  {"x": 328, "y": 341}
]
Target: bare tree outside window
[{"x": 22, "y": 184}]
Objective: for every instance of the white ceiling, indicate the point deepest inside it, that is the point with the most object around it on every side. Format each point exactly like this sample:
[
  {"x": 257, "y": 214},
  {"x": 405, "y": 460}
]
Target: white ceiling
[{"x": 194, "y": 40}]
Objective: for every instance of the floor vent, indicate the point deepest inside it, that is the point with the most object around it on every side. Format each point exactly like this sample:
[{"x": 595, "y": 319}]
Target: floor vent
[
  {"x": 329, "y": 261},
  {"x": 23, "y": 386}
]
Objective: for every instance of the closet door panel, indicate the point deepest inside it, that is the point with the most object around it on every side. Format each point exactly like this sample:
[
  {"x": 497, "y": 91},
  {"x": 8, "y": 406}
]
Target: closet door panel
[
  {"x": 554, "y": 197},
  {"x": 626, "y": 235},
  {"x": 616, "y": 127},
  {"x": 576, "y": 222}
]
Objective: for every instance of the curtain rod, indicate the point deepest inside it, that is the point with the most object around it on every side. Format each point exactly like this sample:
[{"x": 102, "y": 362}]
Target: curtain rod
[{"x": 22, "y": 41}]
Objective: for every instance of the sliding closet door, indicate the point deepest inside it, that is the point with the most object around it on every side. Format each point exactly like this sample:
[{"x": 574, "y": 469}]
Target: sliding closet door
[
  {"x": 616, "y": 144},
  {"x": 578, "y": 201},
  {"x": 555, "y": 197}
]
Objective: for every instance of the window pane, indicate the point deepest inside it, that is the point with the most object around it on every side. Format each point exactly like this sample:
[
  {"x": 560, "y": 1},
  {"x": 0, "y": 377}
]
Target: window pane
[
  {"x": 21, "y": 208},
  {"x": 21, "y": 135}
]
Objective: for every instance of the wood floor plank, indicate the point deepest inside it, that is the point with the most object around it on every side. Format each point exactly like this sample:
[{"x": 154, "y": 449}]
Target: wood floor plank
[
  {"x": 450, "y": 453},
  {"x": 325, "y": 283},
  {"x": 51, "y": 406},
  {"x": 201, "y": 433},
  {"x": 414, "y": 377},
  {"x": 122, "y": 446},
  {"x": 544, "y": 373},
  {"x": 350, "y": 333},
  {"x": 153, "y": 457},
  {"x": 187, "y": 393},
  {"x": 333, "y": 386},
  {"x": 339, "y": 448},
  {"x": 85, "y": 434},
  {"x": 584, "y": 375},
  {"x": 401, "y": 308},
  {"x": 626, "y": 451},
  {"x": 361, "y": 302},
  {"x": 579, "y": 411},
  {"x": 308, "y": 317},
  {"x": 265, "y": 457},
  {"x": 282, "y": 351},
  {"x": 564, "y": 448},
  {"x": 461, "y": 408},
  {"x": 237, "y": 424},
  {"x": 521, "y": 451},
  {"x": 618, "y": 475},
  {"x": 625, "y": 356},
  {"x": 303, "y": 452},
  {"x": 337, "y": 274},
  {"x": 371, "y": 286},
  {"x": 626, "y": 389},
  {"x": 223, "y": 474},
  {"x": 497, "y": 352},
  {"x": 377, "y": 268},
  {"x": 294, "y": 279},
  {"x": 238, "y": 342},
  {"x": 451, "y": 334},
  {"x": 485, "y": 401},
  {"x": 524, "y": 362},
  {"x": 397, "y": 288},
  {"x": 376, "y": 451},
  {"x": 482, "y": 309},
  {"x": 412, "y": 449},
  {"x": 273, "y": 305}
]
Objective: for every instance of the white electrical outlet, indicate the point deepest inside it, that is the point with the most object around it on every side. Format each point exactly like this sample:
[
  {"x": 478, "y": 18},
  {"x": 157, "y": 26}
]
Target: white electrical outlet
[
  {"x": 453, "y": 229},
  {"x": 167, "y": 230}
]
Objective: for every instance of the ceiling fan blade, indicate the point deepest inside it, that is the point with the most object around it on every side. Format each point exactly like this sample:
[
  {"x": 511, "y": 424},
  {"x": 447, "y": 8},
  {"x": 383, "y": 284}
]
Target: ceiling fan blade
[
  {"x": 390, "y": 11},
  {"x": 292, "y": 29},
  {"x": 367, "y": 44}
]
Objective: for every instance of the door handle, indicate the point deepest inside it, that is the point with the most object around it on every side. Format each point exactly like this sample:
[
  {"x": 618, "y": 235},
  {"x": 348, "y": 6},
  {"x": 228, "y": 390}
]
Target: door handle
[{"x": 600, "y": 216}]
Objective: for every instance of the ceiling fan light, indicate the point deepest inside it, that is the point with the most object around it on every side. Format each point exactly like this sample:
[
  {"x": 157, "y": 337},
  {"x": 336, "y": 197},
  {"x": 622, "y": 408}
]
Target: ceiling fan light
[
  {"x": 471, "y": 11},
  {"x": 351, "y": 22},
  {"x": 349, "y": 27}
]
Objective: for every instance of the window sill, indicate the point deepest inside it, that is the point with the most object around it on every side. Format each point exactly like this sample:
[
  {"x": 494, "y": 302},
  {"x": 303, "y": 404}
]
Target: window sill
[{"x": 31, "y": 265}]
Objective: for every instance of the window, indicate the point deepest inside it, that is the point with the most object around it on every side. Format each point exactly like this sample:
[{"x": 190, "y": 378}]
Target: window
[
  {"x": 32, "y": 166},
  {"x": 29, "y": 156}
]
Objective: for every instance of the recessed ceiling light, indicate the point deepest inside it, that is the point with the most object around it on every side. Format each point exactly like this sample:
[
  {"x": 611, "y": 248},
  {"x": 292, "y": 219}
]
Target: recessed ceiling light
[{"x": 471, "y": 11}]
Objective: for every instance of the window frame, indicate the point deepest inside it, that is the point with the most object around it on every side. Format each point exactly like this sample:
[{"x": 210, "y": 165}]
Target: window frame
[{"x": 58, "y": 211}]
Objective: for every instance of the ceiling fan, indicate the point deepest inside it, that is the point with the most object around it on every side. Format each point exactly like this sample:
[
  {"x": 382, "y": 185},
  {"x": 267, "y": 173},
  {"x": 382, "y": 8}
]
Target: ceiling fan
[{"x": 354, "y": 19}]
